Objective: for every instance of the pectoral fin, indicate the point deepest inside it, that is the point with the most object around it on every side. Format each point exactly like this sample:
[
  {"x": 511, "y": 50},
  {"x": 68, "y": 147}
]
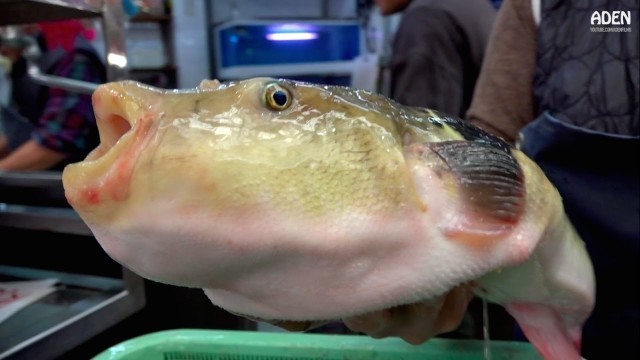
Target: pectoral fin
[
  {"x": 479, "y": 188},
  {"x": 489, "y": 178}
]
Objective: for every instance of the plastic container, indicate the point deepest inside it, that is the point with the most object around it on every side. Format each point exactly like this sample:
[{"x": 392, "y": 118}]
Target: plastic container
[{"x": 251, "y": 345}]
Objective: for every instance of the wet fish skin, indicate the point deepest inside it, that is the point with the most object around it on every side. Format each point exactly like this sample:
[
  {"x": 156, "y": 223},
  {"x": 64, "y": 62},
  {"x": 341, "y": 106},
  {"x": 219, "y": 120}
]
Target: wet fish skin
[{"x": 289, "y": 201}]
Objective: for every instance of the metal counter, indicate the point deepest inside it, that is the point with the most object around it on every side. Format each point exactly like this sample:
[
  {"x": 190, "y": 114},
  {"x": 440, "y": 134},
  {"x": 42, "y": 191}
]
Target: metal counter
[
  {"x": 80, "y": 308},
  {"x": 39, "y": 231}
]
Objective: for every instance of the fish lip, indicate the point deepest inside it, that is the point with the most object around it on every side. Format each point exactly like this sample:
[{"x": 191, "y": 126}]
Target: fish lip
[
  {"x": 105, "y": 174},
  {"x": 115, "y": 126}
]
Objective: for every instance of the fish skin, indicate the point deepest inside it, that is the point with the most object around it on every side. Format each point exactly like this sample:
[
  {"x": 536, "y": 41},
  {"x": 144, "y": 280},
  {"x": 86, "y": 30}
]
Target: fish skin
[{"x": 341, "y": 204}]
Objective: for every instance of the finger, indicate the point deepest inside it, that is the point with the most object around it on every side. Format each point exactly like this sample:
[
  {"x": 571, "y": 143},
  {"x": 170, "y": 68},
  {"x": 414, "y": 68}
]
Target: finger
[
  {"x": 414, "y": 322},
  {"x": 372, "y": 324},
  {"x": 420, "y": 321},
  {"x": 453, "y": 310}
]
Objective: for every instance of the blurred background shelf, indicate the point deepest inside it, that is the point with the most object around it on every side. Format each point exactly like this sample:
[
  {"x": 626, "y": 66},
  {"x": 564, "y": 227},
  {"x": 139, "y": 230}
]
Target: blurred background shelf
[
  {"x": 42, "y": 219},
  {"x": 81, "y": 305},
  {"x": 141, "y": 18},
  {"x": 14, "y": 12},
  {"x": 43, "y": 237},
  {"x": 150, "y": 47},
  {"x": 43, "y": 188}
]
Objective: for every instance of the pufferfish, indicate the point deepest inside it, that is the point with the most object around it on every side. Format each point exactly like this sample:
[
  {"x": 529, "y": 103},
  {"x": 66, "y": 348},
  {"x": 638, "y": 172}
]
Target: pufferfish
[{"x": 286, "y": 200}]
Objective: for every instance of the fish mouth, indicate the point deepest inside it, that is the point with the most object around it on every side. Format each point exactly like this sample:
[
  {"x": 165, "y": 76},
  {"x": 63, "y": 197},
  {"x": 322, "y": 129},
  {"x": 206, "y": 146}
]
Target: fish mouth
[
  {"x": 112, "y": 129},
  {"x": 122, "y": 109},
  {"x": 124, "y": 117}
]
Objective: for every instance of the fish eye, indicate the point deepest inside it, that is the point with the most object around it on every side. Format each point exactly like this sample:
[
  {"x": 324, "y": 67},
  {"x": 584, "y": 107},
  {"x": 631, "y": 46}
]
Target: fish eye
[{"x": 277, "y": 97}]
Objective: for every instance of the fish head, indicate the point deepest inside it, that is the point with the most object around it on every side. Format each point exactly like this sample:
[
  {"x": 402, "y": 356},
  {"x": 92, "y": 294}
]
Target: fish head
[{"x": 230, "y": 141}]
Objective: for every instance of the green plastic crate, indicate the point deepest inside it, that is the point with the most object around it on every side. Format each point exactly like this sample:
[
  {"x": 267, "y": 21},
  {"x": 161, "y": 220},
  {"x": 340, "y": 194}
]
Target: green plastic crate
[{"x": 251, "y": 345}]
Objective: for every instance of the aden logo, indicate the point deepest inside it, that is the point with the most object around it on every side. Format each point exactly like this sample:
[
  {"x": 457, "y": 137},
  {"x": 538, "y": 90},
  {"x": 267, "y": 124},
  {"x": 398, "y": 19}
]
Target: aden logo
[{"x": 611, "y": 21}]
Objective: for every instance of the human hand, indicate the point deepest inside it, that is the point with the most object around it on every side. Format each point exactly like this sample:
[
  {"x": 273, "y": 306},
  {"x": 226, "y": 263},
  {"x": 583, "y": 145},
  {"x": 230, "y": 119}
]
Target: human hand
[{"x": 416, "y": 323}]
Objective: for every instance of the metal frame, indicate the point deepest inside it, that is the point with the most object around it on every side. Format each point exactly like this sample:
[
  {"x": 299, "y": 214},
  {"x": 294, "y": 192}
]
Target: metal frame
[
  {"x": 48, "y": 213},
  {"x": 31, "y": 11},
  {"x": 113, "y": 20},
  {"x": 73, "y": 330}
]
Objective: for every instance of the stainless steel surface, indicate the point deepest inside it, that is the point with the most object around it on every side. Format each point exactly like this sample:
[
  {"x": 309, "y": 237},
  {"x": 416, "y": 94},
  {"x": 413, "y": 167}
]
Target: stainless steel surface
[
  {"x": 31, "y": 178},
  {"x": 60, "y": 82},
  {"x": 80, "y": 308},
  {"x": 38, "y": 218},
  {"x": 38, "y": 188},
  {"x": 87, "y": 281},
  {"x": 30, "y": 11},
  {"x": 114, "y": 23}
]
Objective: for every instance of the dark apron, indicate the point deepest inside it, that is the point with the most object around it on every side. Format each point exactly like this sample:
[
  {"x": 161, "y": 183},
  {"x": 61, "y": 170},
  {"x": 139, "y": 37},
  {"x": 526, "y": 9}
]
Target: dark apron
[{"x": 597, "y": 175}]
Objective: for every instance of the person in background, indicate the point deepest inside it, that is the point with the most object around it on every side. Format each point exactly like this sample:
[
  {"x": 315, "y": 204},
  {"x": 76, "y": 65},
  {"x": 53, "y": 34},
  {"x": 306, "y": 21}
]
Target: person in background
[
  {"x": 16, "y": 110},
  {"x": 61, "y": 125},
  {"x": 5, "y": 83},
  {"x": 437, "y": 51},
  {"x": 569, "y": 96}
]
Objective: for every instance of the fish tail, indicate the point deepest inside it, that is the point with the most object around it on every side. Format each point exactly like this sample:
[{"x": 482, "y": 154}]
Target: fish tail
[{"x": 546, "y": 331}]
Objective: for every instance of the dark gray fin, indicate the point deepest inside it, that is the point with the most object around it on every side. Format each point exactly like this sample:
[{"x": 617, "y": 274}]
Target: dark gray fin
[
  {"x": 489, "y": 177},
  {"x": 470, "y": 132}
]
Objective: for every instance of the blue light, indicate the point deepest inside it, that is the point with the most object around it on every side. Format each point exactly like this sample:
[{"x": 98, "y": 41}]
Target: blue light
[{"x": 292, "y": 36}]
